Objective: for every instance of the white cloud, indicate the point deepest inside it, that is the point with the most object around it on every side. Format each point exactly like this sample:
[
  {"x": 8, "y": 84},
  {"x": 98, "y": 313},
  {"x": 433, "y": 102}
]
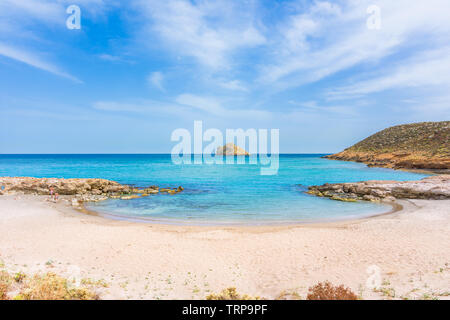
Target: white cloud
[
  {"x": 208, "y": 31},
  {"x": 16, "y": 17},
  {"x": 327, "y": 38},
  {"x": 109, "y": 57},
  {"x": 434, "y": 106},
  {"x": 183, "y": 105},
  {"x": 235, "y": 85},
  {"x": 156, "y": 80},
  {"x": 140, "y": 106},
  {"x": 21, "y": 20},
  {"x": 315, "y": 107},
  {"x": 34, "y": 61},
  {"x": 215, "y": 107},
  {"x": 210, "y": 105},
  {"x": 24, "y": 10},
  {"x": 429, "y": 69}
]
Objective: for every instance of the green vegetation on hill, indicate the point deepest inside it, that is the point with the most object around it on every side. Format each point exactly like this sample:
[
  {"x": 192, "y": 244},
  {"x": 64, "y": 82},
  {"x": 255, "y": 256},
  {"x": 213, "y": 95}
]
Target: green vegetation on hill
[
  {"x": 432, "y": 138},
  {"x": 424, "y": 145}
]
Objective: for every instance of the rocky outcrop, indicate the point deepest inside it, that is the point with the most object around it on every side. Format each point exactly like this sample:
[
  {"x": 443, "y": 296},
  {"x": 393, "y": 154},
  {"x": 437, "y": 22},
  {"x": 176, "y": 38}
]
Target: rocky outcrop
[
  {"x": 82, "y": 189},
  {"x": 435, "y": 187},
  {"x": 423, "y": 145},
  {"x": 41, "y": 186},
  {"x": 230, "y": 149}
]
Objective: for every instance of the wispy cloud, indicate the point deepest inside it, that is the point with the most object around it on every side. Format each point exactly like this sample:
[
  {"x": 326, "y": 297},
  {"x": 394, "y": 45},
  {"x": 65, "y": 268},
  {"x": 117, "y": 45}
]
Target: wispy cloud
[
  {"x": 329, "y": 38},
  {"x": 235, "y": 85},
  {"x": 26, "y": 10},
  {"x": 428, "y": 69},
  {"x": 183, "y": 105},
  {"x": 34, "y": 61},
  {"x": 314, "y": 106},
  {"x": 156, "y": 79},
  {"x": 18, "y": 37},
  {"x": 207, "y": 104},
  {"x": 214, "y": 106},
  {"x": 209, "y": 31},
  {"x": 140, "y": 107},
  {"x": 109, "y": 57},
  {"x": 21, "y": 21}
]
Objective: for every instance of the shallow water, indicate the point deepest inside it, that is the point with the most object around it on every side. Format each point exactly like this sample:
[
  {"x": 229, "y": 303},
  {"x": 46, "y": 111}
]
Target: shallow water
[{"x": 214, "y": 194}]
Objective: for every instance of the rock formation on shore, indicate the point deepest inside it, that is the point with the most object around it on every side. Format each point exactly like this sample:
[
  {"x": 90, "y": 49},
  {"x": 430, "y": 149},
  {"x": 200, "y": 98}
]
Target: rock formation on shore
[
  {"x": 423, "y": 145},
  {"x": 230, "y": 149},
  {"x": 41, "y": 186},
  {"x": 434, "y": 187},
  {"x": 82, "y": 189}
]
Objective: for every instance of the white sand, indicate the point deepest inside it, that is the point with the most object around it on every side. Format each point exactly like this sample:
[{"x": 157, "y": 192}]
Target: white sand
[{"x": 143, "y": 261}]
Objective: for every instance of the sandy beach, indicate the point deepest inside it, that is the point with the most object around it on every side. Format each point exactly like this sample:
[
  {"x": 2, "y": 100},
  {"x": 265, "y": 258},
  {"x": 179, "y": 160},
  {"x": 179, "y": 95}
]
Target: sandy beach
[{"x": 147, "y": 261}]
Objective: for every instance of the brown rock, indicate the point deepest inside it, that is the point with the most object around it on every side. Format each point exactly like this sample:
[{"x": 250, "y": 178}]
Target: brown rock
[
  {"x": 434, "y": 187},
  {"x": 230, "y": 149}
]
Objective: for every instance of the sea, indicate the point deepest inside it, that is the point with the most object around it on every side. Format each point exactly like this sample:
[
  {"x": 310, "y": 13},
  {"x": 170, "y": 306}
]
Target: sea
[{"x": 214, "y": 194}]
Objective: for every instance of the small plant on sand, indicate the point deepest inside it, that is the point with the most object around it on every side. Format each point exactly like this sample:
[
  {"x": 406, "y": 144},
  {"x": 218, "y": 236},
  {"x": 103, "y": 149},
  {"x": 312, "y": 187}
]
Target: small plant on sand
[
  {"x": 326, "y": 291},
  {"x": 427, "y": 296},
  {"x": 230, "y": 294},
  {"x": 19, "y": 277},
  {"x": 94, "y": 283},
  {"x": 386, "y": 291},
  {"x": 53, "y": 287}
]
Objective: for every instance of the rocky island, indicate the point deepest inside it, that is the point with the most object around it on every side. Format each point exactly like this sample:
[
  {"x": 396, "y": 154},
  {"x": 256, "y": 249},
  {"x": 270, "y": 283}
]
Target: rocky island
[
  {"x": 230, "y": 149},
  {"x": 424, "y": 145}
]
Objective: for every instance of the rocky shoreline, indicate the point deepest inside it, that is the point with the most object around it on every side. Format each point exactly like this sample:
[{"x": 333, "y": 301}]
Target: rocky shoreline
[
  {"x": 430, "y": 188},
  {"x": 395, "y": 160},
  {"x": 94, "y": 190},
  {"x": 81, "y": 190}
]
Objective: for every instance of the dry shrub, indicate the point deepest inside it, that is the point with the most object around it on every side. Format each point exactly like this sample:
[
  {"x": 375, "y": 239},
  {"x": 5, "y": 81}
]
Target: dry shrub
[
  {"x": 5, "y": 284},
  {"x": 53, "y": 287},
  {"x": 326, "y": 291},
  {"x": 230, "y": 294},
  {"x": 3, "y": 291}
]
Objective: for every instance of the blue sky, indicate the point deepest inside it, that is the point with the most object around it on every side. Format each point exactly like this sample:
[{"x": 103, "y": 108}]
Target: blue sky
[{"x": 137, "y": 70}]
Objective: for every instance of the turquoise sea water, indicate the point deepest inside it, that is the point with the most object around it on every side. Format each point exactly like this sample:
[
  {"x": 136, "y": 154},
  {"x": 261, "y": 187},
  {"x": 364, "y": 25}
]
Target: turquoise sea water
[{"x": 214, "y": 194}]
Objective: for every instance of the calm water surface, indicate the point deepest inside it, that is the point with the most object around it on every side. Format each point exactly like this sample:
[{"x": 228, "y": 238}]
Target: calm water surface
[{"x": 214, "y": 194}]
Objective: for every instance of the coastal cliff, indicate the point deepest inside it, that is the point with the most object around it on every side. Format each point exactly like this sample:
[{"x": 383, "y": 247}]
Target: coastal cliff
[
  {"x": 230, "y": 149},
  {"x": 423, "y": 145}
]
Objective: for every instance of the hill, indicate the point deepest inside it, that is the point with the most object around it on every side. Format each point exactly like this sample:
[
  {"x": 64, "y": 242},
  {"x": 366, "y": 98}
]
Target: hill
[{"x": 424, "y": 145}]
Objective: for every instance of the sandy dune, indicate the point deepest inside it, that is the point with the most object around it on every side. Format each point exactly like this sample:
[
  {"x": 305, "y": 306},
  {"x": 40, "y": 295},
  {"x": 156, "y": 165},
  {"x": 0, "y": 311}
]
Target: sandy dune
[{"x": 411, "y": 248}]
